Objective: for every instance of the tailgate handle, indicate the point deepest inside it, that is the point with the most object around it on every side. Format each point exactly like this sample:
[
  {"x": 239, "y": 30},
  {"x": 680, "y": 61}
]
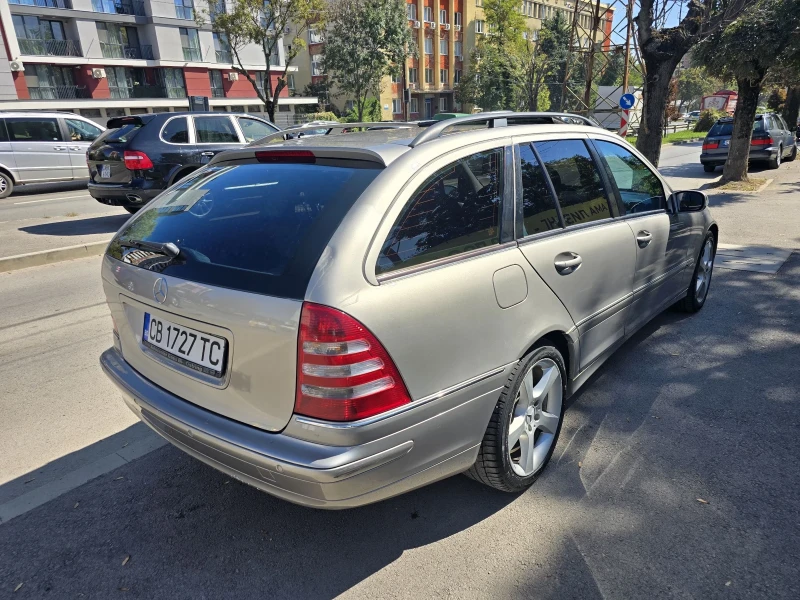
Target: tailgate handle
[{"x": 567, "y": 262}]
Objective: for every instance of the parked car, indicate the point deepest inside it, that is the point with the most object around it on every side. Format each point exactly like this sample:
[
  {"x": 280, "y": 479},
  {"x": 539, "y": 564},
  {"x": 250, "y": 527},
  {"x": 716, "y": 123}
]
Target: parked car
[
  {"x": 693, "y": 116},
  {"x": 772, "y": 142},
  {"x": 341, "y": 319},
  {"x": 140, "y": 156},
  {"x": 42, "y": 147}
]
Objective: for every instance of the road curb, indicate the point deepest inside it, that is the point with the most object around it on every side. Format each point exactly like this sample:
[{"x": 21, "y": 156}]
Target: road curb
[{"x": 46, "y": 257}]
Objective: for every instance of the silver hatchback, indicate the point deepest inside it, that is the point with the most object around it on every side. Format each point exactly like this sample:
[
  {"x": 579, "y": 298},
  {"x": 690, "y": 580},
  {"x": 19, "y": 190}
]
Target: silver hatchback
[{"x": 339, "y": 319}]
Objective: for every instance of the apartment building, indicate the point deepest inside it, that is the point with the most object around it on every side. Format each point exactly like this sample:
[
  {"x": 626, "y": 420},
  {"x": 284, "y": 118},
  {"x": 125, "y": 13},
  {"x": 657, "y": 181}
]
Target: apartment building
[
  {"x": 445, "y": 32},
  {"x": 106, "y": 58}
]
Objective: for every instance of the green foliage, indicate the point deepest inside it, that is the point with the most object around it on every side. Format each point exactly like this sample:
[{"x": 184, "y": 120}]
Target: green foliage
[
  {"x": 612, "y": 71},
  {"x": 708, "y": 118},
  {"x": 694, "y": 83},
  {"x": 555, "y": 42},
  {"x": 505, "y": 22},
  {"x": 322, "y": 116},
  {"x": 776, "y": 99},
  {"x": 543, "y": 101},
  {"x": 367, "y": 40},
  {"x": 371, "y": 113},
  {"x": 492, "y": 82}
]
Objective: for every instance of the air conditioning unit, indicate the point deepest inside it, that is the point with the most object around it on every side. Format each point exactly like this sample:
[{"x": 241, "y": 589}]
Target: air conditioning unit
[
  {"x": 16, "y": 65},
  {"x": 416, "y": 24},
  {"x": 99, "y": 73},
  {"x": 458, "y": 27},
  {"x": 233, "y": 76},
  {"x": 447, "y": 26}
]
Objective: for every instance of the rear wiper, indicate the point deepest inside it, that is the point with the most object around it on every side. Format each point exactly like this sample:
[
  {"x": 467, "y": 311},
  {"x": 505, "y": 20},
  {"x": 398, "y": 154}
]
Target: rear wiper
[{"x": 168, "y": 249}]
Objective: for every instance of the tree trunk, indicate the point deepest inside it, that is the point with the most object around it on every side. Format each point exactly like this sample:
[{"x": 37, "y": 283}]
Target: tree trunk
[
  {"x": 736, "y": 166},
  {"x": 655, "y": 96},
  {"x": 791, "y": 108}
]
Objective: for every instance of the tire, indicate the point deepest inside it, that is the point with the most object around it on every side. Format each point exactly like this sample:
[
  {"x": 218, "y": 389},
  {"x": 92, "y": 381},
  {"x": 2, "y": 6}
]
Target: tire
[
  {"x": 505, "y": 468},
  {"x": 793, "y": 155},
  {"x": 709, "y": 168},
  {"x": 774, "y": 163},
  {"x": 6, "y": 185},
  {"x": 132, "y": 209},
  {"x": 696, "y": 297}
]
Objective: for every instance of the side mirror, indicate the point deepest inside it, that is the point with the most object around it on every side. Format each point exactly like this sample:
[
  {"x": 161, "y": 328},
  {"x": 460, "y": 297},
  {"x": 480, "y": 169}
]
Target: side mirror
[{"x": 691, "y": 201}]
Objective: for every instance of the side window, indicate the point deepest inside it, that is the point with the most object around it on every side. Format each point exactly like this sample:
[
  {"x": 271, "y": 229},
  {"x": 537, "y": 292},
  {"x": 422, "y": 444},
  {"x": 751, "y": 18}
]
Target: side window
[
  {"x": 576, "y": 181},
  {"x": 782, "y": 122},
  {"x": 33, "y": 130},
  {"x": 254, "y": 129},
  {"x": 638, "y": 186},
  {"x": 176, "y": 131},
  {"x": 539, "y": 212},
  {"x": 456, "y": 210},
  {"x": 215, "y": 130},
  {"x": 3, "y": 132},
  {"x": 81, "y": 131}
]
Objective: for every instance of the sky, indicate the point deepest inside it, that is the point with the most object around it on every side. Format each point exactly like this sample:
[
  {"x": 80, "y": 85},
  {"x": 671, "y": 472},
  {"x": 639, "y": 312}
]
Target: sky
[{"x": 676, "y": 9}]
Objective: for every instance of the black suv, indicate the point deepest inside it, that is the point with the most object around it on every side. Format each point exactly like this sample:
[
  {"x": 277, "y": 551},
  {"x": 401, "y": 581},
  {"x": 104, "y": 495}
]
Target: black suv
[{"x": 138, "y": 157}]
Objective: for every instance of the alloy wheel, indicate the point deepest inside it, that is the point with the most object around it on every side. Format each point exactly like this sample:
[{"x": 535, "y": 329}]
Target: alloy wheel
[
  {"x": 3, "y": 185},
  {"x": 704, "y": 269},
  {"x": 535, "y": 417}
]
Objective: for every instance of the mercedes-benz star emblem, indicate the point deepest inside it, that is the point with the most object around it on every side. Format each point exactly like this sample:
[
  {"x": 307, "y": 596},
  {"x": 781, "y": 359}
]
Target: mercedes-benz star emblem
[{"x": 160, "y": 290}]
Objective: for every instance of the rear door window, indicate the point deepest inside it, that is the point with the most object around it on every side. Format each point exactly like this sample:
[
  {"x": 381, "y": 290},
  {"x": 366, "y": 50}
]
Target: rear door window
[
  {"x": 81, "y": 131},
  {"x": 456, "y": 210},
  {"x": 215, "y": 130},
  {"x": 253, "y": 129},
  {"x": 176, "y": 131},
  {"x": 539, "y": 212},
  {"x": 576, "y": 181},
  {"x": 33, "y": 130},
  {"x": 253, "y": 227},
  {"x": 639, "y": 188}
]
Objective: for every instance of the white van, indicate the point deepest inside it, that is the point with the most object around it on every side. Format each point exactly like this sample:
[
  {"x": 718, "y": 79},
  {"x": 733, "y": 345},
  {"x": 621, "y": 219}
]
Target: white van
[{"x": 40, "y": 147}]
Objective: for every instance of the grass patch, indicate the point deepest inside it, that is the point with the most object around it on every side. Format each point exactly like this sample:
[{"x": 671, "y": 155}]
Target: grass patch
[
  {"x": 751, "y": 185},
  {"x": 678, "y": 136}
]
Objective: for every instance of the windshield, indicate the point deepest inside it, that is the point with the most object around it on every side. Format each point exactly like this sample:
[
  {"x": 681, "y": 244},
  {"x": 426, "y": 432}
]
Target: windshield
[
  {"x": 121, "y": 134},
  {"x": 254, "y": 227}
]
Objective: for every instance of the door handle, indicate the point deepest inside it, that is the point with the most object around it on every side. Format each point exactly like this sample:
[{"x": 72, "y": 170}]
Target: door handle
[
  {"x": 643, "y": 238},
  {"x": 207, "y": 153},
  {"x": 567, "y": 262},
  {"x": 59, "y": 148},
  {"x": 74, "y": 148}
]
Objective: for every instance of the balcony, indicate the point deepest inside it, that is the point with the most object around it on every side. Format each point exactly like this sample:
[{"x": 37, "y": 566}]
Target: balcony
[
  {"x": 43, "y": 3},
  {"x": 152, "y": 91},
  {"x": 121, "y": 51},
  {"x": 224, "y": 56},
  {"x": 191, "y": 54},
  {"x": 59, "y": 92},
  {"x": 119, "y": 7},
  {"x": 36, "y": 47}
]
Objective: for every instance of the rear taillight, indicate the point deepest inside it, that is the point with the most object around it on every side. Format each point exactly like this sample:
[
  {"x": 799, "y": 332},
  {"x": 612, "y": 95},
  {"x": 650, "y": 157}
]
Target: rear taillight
[
  {"x": 136, "y": 160},
  {"x": 343, "y": 371},
  {"x": 767, "y": 141},
  {"x": 710, "y": 146}
]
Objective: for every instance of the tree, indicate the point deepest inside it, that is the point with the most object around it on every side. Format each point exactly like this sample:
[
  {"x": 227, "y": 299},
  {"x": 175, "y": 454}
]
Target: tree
[
  {"x": 555, "y": 42},
  {"x": 614, "y": 68},
  {"x": 536, "y": 67},
  {"x": 662, "y": 49},
  {"x": 265, "y": 24},
  {"x": 367, "y": 40},
  {"x": 762, "y": 39},
  {"x": 693, "y": 84},
  {"x": 776, "y": 99}
]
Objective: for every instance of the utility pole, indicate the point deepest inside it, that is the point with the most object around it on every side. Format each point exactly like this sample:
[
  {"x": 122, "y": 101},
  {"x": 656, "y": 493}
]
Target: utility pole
[
  {"x": 587, "y": 94},
  {"x": 569, "y": 54},
  {"x": 629, "y": 17}
]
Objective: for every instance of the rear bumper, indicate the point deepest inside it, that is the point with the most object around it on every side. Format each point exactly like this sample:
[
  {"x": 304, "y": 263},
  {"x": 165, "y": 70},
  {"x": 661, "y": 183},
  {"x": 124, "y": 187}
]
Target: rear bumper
[
  {"x": 309, "y": 473},
  {"x": 122, "y": 194},
  {"x": 765, "y": 154}
]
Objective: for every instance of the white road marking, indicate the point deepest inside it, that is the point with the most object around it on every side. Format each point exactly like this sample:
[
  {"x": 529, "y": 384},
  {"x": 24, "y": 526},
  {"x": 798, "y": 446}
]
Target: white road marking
[{"x": 52, "y": 199}]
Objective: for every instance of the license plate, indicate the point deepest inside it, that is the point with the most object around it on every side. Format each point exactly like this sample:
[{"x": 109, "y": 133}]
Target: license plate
[
  {"x": 201, "y": 352},
  {"x": 725, "y": 143},
  {"x": 105, "y": 171}
]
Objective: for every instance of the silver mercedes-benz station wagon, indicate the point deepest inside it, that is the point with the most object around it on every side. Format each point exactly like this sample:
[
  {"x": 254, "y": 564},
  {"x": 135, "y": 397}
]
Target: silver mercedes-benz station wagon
[{"x": 341, "y": 318}]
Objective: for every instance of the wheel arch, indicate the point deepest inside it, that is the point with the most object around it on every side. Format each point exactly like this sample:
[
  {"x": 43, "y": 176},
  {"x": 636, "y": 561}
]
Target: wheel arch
[
  {"x": 5, "y": 170},
  {"x": 715, "y": 230},
  {"x": 566, "y": 344},
  {"x": 180, "y": 173}
]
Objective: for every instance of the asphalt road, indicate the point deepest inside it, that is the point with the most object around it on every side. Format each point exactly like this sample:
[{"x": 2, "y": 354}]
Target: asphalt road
[{"x": 675, "y": 476}]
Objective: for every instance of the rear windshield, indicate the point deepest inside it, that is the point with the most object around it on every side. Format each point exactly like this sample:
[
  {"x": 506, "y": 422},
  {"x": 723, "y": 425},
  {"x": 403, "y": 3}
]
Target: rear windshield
[
  {"x": 253, "y": 227},
  {"x": 726, "y": 127},
  {"x": 121, "y": 134}
]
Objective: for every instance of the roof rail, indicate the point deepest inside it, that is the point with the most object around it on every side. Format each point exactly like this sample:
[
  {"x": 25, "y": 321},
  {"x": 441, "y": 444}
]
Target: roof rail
[
  {"x": 498, "y": 119},
  {"x": 288, "y": 133}
]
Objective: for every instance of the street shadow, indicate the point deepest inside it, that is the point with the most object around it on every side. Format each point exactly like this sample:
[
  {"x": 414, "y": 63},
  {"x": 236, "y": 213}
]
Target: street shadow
[
  {"x": 105, "y": 224},
  {"x": 30, "y": 189}
]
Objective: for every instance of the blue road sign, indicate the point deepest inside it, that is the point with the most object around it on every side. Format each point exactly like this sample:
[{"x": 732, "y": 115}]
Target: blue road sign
[{"x": 627, "y": 101}]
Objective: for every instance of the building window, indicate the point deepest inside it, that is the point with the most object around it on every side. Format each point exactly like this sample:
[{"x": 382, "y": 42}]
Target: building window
[
  {"x": 316, "y": 64},
  {"x": 429, "y": 14},
  {"x": 443, "y": 76},
  {"x": 457, "y": 76},
  {"x": 397, "y": 107},
  {"x": 290, "y": 82},
  {"x": 396, "y": 77},
  {"x": 478, "y": 26},
  {"x": 442, "y": 16},
  {"x": 315, "y": 36},
  {"x": 428, "y": 45},
  {"x": 428, "y": 75},
  {"x": 478, "y": 2},
  {"x": 443, "y": 47},
  {"x": 190, "y": 43},
  {"x": 261, "y": 83},
  {"x": 457, "y": 49},
  {"x": 413, "y": 106},
  {"x": 184, "y": 9},
  {"x": 171, "y": 80},
  {"x": 117, "y": 41},
  {"x": 412, "y": 76},
  {"x": 215, "y": 79},
  {"x": 411, "y": 11},
  {"x": 222, "y": 48},
  {"x": 457, "y": 19},
  {"x": 443, "y": 104},
  {"x": 39, "y": 37},
  {"x": 49, "y": 82}
]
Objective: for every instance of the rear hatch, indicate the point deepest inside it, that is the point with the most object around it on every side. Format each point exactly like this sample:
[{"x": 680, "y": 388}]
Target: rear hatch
[
  {"x": 718, "y": 138},
  {"x": 217, "y": 324},
  {"x": 106, "y": 155}
]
